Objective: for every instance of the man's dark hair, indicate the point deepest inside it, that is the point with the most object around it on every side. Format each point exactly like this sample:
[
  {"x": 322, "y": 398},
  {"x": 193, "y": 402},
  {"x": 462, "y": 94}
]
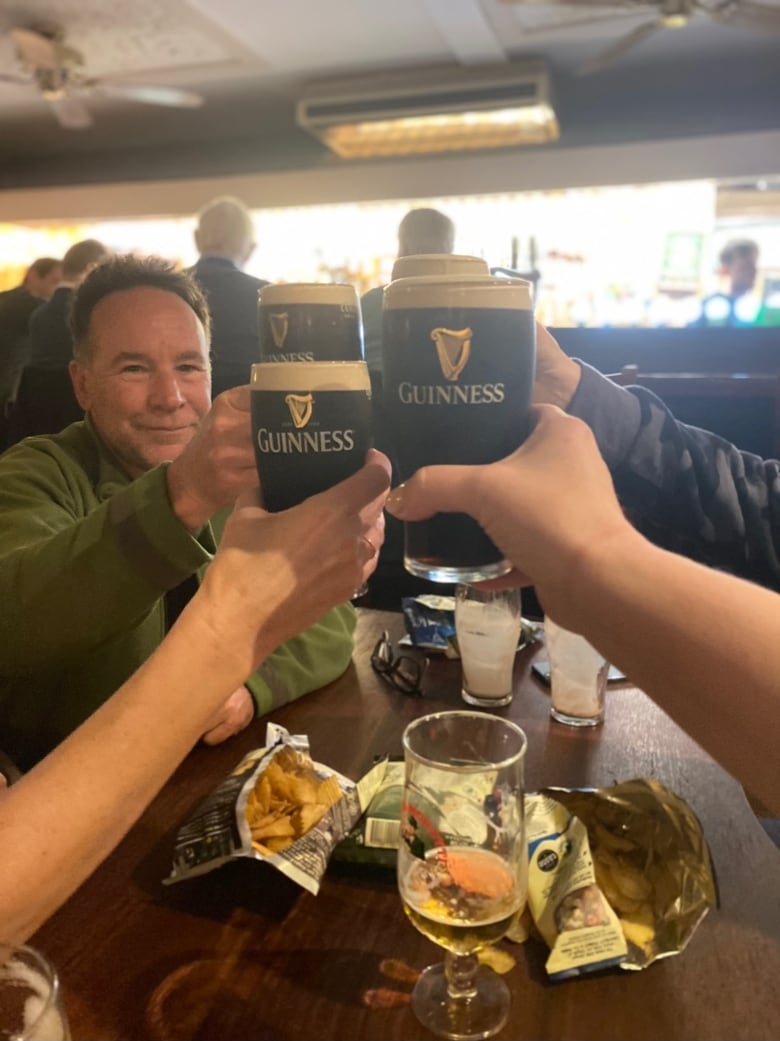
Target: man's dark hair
[
  {"x": 81, "y": 256},
  {"x": 125, "y": 271},
  {"x": 43, "y": 266},
  {"x": 738, "y": 248}
]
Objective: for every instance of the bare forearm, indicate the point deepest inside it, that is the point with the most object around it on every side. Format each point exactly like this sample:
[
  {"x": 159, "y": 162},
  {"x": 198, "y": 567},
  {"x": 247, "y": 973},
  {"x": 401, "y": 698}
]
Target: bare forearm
[
  {"x": 63, "y": 818},
  {"x": 674, "y": 627}
]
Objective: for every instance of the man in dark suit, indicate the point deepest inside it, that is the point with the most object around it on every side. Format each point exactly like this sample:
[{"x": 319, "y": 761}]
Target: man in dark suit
[
  {"x": 50, "y": 337},
  {"x": 225, "y": 240},
  {"x": 16, "y": 306}
]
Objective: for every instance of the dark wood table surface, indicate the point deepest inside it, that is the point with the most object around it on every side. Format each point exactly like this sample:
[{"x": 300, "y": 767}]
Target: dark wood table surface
[{"x": 243, "y": 953}]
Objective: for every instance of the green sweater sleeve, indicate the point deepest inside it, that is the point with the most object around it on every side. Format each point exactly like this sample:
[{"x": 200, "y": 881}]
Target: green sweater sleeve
[
  {"x": 317, "y": 656},
  {"x": 81, "y": 563}
]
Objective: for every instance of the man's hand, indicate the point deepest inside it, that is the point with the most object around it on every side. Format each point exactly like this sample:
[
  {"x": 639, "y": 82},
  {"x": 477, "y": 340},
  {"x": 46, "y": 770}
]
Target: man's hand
[
  {"x": 218, "y": 464},
  {"x": 237, "y": 713}
]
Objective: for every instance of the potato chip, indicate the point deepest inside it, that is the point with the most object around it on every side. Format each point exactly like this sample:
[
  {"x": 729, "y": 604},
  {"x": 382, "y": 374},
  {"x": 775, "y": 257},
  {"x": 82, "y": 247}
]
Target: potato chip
[{"x": 288, "y": 799}]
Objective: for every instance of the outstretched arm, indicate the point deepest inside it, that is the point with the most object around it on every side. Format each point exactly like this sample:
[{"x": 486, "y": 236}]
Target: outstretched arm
[
  {"x": 552, "y": 509},
  {"x": 273, "y": 574}
]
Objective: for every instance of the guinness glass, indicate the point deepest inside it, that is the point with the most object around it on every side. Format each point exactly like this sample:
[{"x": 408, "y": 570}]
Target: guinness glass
[
  {"x": 309, "y": 321},
  {"x": 459, "y": 358},
  {"x": 311, "y": 426}
]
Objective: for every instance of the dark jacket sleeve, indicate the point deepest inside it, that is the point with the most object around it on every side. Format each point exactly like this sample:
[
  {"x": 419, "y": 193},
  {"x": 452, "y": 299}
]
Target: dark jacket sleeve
[{"x": 686, "y": 489}]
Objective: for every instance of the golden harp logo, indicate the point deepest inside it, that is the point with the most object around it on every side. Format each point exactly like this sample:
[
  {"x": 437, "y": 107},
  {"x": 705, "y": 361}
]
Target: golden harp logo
[
  {"x": 453, "y": 347},
  {"x": 300, "y": 406},
  {"x": 278, "y": 323}
]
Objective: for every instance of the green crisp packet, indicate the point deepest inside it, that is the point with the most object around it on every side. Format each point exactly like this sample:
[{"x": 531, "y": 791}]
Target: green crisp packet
[{"x": 374, "y": 838}]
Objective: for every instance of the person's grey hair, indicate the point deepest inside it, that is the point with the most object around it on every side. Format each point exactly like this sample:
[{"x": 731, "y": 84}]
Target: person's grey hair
[
  {"x": 738, "y": 248},
  {"x": 122, "y": 271},
  {"x": 225, "y": 229},
  {"x": 81, "y": 257},
  {"x": 425, "y": 231}
]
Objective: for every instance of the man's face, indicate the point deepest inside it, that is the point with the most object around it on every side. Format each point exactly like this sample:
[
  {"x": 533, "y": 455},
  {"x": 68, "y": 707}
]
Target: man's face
[
  {"x": 147, "y": 383},
  {"x": 743, "y": 270}
]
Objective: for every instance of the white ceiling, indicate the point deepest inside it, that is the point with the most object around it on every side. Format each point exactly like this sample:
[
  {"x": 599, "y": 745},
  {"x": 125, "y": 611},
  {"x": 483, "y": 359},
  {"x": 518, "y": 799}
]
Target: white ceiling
[{"x": 250, "y": 58}]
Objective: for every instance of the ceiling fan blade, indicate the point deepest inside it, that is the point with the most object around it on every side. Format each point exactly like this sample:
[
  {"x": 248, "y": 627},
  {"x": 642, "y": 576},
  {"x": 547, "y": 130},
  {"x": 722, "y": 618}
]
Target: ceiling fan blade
[
  {"x": 7, "y": 77},
  {"x": 617, "y": 50},
  {"x": 71, "y": 113},
  {"x": 580, "y": 22},
  {"x": 746, "y": 15},
  {"x": 146, "y": 93},
  {"x": 35, "y": 50}
]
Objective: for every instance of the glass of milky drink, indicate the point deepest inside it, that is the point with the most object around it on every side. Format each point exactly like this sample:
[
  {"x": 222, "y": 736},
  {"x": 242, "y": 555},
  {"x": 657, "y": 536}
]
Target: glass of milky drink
[
  {"x": 462, "y": 861},
  {"x": 30, "y": 999},
  {"x": 578, "y": 677},
  {"x": 487, "y": 624}
]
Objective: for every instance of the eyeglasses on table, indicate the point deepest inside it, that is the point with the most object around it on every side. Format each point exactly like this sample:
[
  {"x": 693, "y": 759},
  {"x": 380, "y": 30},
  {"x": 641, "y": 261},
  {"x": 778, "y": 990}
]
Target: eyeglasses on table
[{"x": 404, "y": 672}]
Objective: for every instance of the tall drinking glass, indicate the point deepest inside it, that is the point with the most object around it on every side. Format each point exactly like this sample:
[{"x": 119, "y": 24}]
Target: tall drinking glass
[
  {"x": 459, "y": 359},
  {"x": 30, "y": 999},
  {"x": 438, "y": 264},
  {"x": 462, "y": 861},
  {"x": 311, "y": 426},
  {"x": 309, "y": 321}
]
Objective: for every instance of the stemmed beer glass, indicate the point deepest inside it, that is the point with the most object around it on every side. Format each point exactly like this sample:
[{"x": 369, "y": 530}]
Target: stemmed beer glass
[{"x": 462, "y": 861}]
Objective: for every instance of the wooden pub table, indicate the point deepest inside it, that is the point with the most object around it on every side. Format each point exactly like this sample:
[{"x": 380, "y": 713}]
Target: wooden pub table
[{"x": 243, "y": 953}]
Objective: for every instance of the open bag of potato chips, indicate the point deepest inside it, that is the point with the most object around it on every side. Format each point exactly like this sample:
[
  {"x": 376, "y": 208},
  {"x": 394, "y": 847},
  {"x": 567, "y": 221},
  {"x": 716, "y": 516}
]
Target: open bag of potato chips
[{"x": 277, "y": 806}]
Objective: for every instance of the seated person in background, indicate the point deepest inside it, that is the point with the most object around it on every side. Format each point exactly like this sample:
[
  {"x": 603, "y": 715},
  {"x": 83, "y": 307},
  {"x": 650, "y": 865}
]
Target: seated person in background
[
  {"x": 421, "y": 231},
  {"x": 16, "y": 307},
  {"x": 737, "y": 306},
  {"x": 225, "y": 239},
  {"x": 551, "y": 508},
  {"x": 51, "y": 345},
  {"x": 106, "y": 527},
  {"x": 686, "y": 489},
  {"x": 272, "y": 574}
]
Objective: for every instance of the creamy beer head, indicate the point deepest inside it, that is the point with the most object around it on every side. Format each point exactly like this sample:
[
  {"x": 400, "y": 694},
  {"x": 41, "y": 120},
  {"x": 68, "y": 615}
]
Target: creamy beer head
[
  {"x": 439, "y": 264},
  {"x": 458, "y": 361},
  {"x": 309, "y": 321},
  {"x": 311, "y": 426}
]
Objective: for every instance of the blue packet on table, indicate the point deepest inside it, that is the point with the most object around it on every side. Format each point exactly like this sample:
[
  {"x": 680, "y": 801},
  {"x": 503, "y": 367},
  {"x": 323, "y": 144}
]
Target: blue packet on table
[{"x": 430, "y": 621}]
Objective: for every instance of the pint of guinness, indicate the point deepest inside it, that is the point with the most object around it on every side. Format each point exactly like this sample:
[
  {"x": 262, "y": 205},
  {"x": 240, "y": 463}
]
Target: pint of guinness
[
  {"x": 309, "y": 321},
  {"x": 459, "y": 357},
  {"x": 311, "y": 426}
]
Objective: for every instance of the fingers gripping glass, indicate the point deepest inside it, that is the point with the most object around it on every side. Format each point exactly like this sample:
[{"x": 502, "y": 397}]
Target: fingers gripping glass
[{"x": 404, "y": 672}]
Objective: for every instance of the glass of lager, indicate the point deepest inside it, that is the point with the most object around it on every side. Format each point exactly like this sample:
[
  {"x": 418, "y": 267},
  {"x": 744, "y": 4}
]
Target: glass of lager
[
  {"x": 311, "y": 426},
  {"x": 31, "y": 1006},
  {"x": 462, "y": 861},
  {"x": 459, "y": 355},
  {"x": 309, "y": 321}
]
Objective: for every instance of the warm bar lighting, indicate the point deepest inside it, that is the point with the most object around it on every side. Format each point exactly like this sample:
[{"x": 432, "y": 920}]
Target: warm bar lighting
[{"x": 436, "y": 111}]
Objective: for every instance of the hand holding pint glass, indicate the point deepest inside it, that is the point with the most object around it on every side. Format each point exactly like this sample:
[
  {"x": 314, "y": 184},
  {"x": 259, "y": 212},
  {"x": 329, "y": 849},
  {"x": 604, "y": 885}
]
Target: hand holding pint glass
[{"x": 458, "y": 357}]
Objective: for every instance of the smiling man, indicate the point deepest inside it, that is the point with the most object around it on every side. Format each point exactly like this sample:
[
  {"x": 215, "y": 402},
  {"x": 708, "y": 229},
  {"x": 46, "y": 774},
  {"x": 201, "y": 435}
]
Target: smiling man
[{"x": 106, "y": 528}]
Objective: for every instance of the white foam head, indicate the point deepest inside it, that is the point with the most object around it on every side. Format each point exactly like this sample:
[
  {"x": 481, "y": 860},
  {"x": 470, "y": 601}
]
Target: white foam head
[
  {"x": 439, "y": 264},
  {"x": 304, "y": 376},
  {"x": 478, "y": 291},
  {"x": 281, "y": 293}
]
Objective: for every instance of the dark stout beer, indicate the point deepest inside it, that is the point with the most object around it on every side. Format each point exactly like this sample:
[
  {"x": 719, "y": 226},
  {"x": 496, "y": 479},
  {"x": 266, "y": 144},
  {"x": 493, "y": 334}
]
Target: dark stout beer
[
  {"x": 309, "y": 322},
  {"x": 459, "y": 358},
  {"x": 311, "y": 426}
]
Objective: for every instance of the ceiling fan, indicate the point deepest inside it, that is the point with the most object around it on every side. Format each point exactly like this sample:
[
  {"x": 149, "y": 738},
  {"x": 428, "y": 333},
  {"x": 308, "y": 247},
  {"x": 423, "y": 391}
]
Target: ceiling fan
[
  {"x": 668, "y": 14},
  {"x": 57, "y": 70}
]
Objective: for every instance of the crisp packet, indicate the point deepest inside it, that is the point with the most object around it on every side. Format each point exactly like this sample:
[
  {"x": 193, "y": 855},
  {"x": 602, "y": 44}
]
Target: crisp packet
[
  {"x": 374, "y": 839},
  {"x": 430, "y": 621},
  {"x": 277, "y": 806},
  {"x": 651, "y": 862},
  {"x": 566, "y": 904}
]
